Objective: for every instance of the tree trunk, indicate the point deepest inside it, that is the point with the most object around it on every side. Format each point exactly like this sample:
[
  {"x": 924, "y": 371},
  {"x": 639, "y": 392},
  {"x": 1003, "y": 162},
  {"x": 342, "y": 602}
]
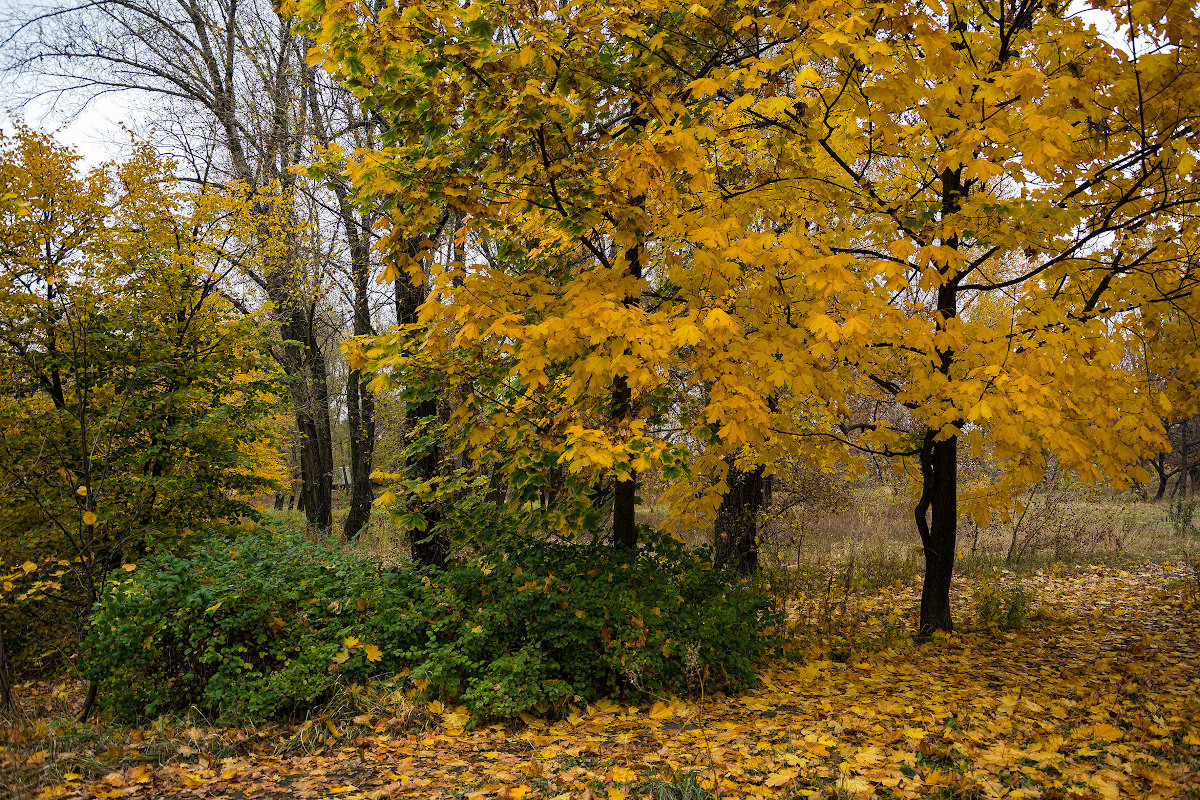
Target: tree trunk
[
  {"x": 497, "y": 490},
  {"x": 432, "y": 547},
  {"x": 737, "y": 521},
  {"x": 939, "y": 468},
  {"x": 625, "y": 535},
  {"x": 300, "y": 355},
  {"x": 311, "y": 397},
  {"x": 89, "y": 702},
  {"x": 360, "y": 402},
  {"x": 8, "y": 703},
  {"x": 939, "y": 459},
  {"x": 1160, "y": 467}
]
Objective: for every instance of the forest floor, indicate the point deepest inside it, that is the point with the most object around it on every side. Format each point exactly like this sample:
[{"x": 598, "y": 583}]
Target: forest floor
[{"x": 1095, "y": 695}]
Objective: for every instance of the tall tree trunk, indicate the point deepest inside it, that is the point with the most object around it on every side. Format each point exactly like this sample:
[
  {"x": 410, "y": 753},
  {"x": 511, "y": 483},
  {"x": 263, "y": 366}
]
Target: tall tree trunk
[
  {"x": 432, "y": 547},
  {"x": 360, "y": 403},
  {"x": 360, "y": 400},
  {"x": 737, "y": 521},
  {"x": 625, "y": 534},
  {"x": 304, "y": 364},
  {"x": 939, "y": 495},
  {"x": 939, "y": 459}
]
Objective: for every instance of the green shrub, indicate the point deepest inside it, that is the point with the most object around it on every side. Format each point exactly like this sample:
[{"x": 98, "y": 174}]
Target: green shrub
[
  {"x": 1006, "y": 607},
  {"x": 265, "y": 625},
  {"x": 244, "y": 627},
  {"x": 1181, "y": 513}
]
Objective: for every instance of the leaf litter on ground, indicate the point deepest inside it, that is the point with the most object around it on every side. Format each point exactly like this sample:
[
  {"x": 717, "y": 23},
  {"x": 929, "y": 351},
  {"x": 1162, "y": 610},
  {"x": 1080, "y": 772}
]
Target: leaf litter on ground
[{"x": 1097, "y": 697}]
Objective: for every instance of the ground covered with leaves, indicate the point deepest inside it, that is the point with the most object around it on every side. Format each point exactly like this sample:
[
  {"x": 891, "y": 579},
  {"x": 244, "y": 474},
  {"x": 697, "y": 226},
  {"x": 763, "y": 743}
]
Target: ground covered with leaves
[{"x": 1097, "y": 695}]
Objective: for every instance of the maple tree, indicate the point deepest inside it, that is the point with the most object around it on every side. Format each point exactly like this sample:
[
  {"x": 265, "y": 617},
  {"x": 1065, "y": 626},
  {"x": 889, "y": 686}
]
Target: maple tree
[
  {"x": 137, "y": 401},
  {"x": 533, "y": 126},
  {"x": 861, "y": 227},
  {"x": 1000, "y": 205}
]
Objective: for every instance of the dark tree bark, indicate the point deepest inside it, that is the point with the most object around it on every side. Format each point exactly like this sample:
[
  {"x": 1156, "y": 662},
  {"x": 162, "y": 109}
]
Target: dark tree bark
[
  {"x": 360, "y": 400},
  {"x": 939, "y": 530},
  {"x": 497, "y": 489},
  {"x": 625, "y": 491},
  {"x": 737, "y": 521},
  {"x": 432, "y": 547},
  {"x": 937, "y": 511},
  {"x": 8, "y": 703},
  {"x": 303, "y": 360},
  {"x": 1160, "y": 468},
  {"x": 625, "y": 533},
  {"x": 89, "y": 702}
]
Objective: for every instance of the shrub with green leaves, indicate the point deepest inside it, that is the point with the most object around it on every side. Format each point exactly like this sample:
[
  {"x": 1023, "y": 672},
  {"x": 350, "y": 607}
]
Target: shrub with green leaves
[
  {"x": 247, "y": 626},
  {"x": 266, "y": 624}
]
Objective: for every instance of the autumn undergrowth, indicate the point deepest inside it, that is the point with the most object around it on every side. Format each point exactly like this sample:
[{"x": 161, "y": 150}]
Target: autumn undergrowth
[
  {"x": 264, "y": 626},
  {"x": 1056, "y": 702}
]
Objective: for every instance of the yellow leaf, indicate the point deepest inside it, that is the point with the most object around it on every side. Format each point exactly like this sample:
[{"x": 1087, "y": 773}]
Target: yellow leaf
[
  {"x": 28, "y": 567},
  {"x": 435, "y": 707},
  {"x": 214, "y": 606},
  {"x": 1186, "y": 162},
  {"x": 89, "y": 518},
  {"x": 623, "y": 775},
  {"x": 776, "y": 779},
  {"x": 373, "y": 653},
  {"x": 660, "y": 711},
  {"x": 855, "y": 785}
]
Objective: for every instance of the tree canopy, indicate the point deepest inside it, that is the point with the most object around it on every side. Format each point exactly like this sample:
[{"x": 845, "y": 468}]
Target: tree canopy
[{"x": 749, "y": 232}]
